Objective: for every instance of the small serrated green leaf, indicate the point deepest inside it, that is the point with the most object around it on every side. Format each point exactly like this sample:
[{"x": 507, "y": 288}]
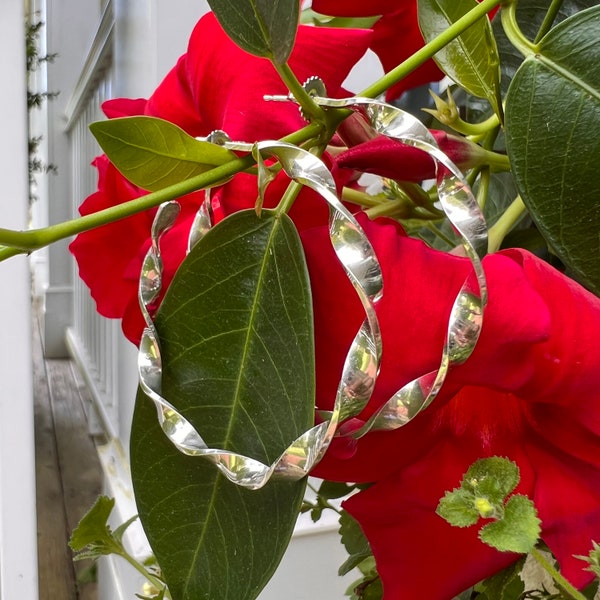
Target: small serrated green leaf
[
  {"x": 153, "y": 153},
  {"x": 264, "y": 28},
  {"x": 519, "y": 529},
  {"x": 458, "y": 508},
  {"x": 492, "y": 478},
  {"x": 316, "y": 513},
  {"x": 93, "y": 527},
  {"x": 593, "y": 558},
  {"x": 471, "y": 60},
  {"x": 356, "y": 544}
]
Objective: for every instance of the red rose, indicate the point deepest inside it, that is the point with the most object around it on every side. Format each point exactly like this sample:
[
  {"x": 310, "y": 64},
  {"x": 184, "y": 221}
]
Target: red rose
[
  {"x": 215, "y": 85},
  {"x": 396, "y": 36},
  {"x": 529, "y": 392}
]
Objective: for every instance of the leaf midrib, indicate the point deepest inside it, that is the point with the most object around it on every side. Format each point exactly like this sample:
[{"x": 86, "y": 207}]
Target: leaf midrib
[
  {"x": 218, "y": 477},
  {"x": 555, "y": 67},
  {"x": 479, "y": 79}
]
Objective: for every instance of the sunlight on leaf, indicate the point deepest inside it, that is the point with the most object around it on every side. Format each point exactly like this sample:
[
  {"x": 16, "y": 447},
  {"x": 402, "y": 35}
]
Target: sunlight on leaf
[
  {"x": 472, "y": 59},
  {"x": 153, "y": 154}
]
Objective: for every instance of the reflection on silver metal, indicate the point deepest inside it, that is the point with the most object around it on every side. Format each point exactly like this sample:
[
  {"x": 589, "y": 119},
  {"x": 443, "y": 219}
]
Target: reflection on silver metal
[
  {"x": 362, "y": 363},
  {"x": 463, "y": 212},
  {"x": 358, "y": 259},
  {"x": 202, "y": 222}
]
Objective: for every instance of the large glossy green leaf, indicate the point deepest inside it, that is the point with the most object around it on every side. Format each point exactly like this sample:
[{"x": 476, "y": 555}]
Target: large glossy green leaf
[
  {"x": 471, "y": 59},
  {"x": 530, "y": 16},
  {"x": 153, "y": 153},
  {"x": 261, "y": 27},
  {"x": 237, "y": 346},
  {"x": 552, "y": 133}
]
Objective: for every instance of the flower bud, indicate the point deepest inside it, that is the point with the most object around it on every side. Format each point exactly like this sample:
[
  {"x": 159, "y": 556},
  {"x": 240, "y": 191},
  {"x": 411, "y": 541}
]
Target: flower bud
[
  {"x": 462, "y": 152},
  {"x": 392, "y": 159},
  {"x": 445, "y": 112}
]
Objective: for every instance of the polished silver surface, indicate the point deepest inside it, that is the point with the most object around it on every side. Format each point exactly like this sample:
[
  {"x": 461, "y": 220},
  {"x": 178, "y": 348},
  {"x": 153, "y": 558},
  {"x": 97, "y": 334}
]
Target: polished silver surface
[
  {"x": 202, "y": 222},
  {"x": 362, "y": 363},
  {"x": 357, "y": 257},
  {"x": 463, "y": 212}
]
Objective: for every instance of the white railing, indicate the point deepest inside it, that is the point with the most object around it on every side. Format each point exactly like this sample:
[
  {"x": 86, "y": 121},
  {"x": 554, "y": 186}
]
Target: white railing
[
  {"x": 108, "y": 365},
  {"x": 105, "y": 359},
  {"x": 93, "y": 340}
]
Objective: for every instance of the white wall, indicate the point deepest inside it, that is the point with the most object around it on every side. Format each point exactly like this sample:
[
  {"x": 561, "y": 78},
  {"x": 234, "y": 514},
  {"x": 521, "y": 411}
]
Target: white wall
[{"x": 18, "y": 536}]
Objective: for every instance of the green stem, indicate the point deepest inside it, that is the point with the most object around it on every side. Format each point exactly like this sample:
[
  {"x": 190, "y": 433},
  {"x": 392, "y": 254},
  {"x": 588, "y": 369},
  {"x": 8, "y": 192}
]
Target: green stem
[
  {"x": 427, "y": 51},
  {"x": 484, "y": 188},
  {"x": 291, "y": 193},
  {"x": 37, "y": 238},
  {"x": 475, "y": 128},
  {"x": 513, "y": 31},
  {"x": 155, "y": 581},
  {"x": 561, "y": 582},
  {"x": 496, "y": 161},
  {"x": 504, "y": 224},
  {"x": 548, "y": 20},
  {"x": 451, "y": 243},
  {"x": 312, "y": 110},
  {"x": 361, "y": 198},
  {"x": 19, "y": 242},
  {"x": 399, "y": 208}
]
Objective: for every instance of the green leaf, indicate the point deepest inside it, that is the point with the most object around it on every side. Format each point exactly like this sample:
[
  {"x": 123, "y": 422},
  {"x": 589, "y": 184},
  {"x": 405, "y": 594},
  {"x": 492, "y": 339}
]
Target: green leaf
[
  {"x": 93, "y": 525},
  {"x": 492, "y": 478},
  {"x": 471, "y": 60},
  {"x": 352, "y": 536},
  {"x": 552, "y": 131},
  {"x": 354, "y": 540},
  {"x": 505, "y": 585},
  {"x": 153, "y": 153},
  {"x": 517, "y": 531},
  {"x": 591, "y": 590},
  {"x": 309, "y": 17},
  {"x": 482, "y": 492},
  {"x": 261, "y": 27},
  {"x": 237, "y": 349},
  {"x": 369, "y": 586},
  {"x": 458, "y": 508},
  {"x": 334, "y": 489},
  {"x": 530, "y": 16}
]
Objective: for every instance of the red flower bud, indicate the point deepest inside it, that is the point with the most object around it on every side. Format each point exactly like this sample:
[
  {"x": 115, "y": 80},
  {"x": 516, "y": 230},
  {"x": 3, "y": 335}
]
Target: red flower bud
[{"x": 389, "y": 158}]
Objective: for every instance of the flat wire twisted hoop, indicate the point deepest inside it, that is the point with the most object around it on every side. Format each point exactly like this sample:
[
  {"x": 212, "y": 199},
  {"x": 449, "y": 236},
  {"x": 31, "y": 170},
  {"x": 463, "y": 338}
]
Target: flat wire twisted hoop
[
  {"x": 360, "y": 264},
  {"x": 463, "y": 212}
]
